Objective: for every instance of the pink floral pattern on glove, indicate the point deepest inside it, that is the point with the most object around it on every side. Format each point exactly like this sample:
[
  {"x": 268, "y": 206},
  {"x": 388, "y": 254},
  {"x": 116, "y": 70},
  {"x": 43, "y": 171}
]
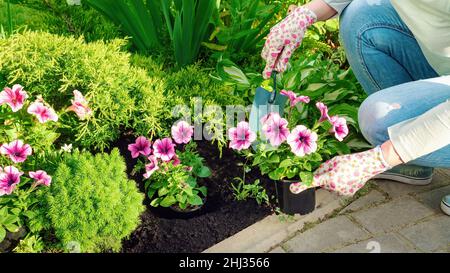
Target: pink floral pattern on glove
[
  {"x": 284, "y": 38},
  {"x": 347, "y": 174}
]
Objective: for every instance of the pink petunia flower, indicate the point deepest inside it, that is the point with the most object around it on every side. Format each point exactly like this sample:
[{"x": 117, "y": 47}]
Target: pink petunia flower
[
  {"x": 9, "y": 178},
  {"x": 41, "y": 178},
  {"x": 16, "y": 150},
  {"x": 302, "y": 141},
  {"x": 323, "y": 111},
  {"x": 14, "y": 97},
  {"x": 293, "y": 98},
  {"x": 340, "y": 128},
  {"x": 80, "y": 106},
  {"x": 141, "y": 146},
  {"x": 241, "y": 137},
  {"x": 275, "y": 129},
  {"x": 164, "y": 149},
  {"x": 151, "y": 167},
  {"x": 42, "y": 112},
  {"x": 182, "y": 132}
]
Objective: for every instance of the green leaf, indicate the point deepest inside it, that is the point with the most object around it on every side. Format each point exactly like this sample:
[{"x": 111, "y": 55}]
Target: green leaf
[
  {"x": 12, "y": 228},
  {"x": 276, "y": 174},
  {"x": 195, "y": 200},
  {"x": 285, "y": 163},
  {"x": 306, "y": 178},
  {"x": 2, "y": 233},
  {"x": 274, "y": 159},
  {"x": 163, "y": 191},
  {"x": 203, "y": 190},
  {"x": 168, "y": 201},
  {"x": 204, "y": 172}
]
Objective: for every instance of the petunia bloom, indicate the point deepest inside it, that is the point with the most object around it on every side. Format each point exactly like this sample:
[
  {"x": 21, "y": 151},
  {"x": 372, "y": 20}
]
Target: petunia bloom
[
  {"x": 42, "y": 112},
  {"x": 151, "y": 167},
  {"x": 302, "y": 141},
  {"x": 293, "y": 98},
  {"x": 14, "y": 97},
  {"x": 80, "y": 106},
  {"x": 182, "y": 132},
  {"x": 241, "y": 137},
  {"x": 340, "y": 128},
  {"x": 323, "y": 111},
  {"x": 16, "y": 150},
  {"x": 41, "y": 178},
  {"x": 164, "y": 149},
  {"x": 9, "y": 178},
  {"x": 275, "y": 129},
  {"x": 141, "y": 146}
]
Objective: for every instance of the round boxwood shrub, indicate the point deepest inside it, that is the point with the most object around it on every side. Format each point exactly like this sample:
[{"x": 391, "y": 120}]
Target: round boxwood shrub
[
  {"x": 91, "y": 203},
  {"x": 120, "y": 95}
]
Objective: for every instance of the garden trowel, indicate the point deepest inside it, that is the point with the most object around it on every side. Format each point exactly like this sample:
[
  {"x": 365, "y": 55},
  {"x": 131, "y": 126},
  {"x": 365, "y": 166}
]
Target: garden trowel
[{"x": 266, "y": 101}]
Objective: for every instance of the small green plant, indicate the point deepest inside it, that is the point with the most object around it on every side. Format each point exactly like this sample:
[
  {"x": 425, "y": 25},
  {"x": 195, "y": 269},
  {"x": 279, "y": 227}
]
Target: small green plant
[
  {"x": 176, "y": 182},
  {"x": 30, "y": 244},
  {"x": 243, "y": 191},
  {"x": 172, "y": 175},
  {"x": 92, "y": 202}
]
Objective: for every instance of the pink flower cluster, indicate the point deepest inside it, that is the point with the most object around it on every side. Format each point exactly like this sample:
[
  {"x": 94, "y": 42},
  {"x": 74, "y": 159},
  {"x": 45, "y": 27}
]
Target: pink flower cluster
[
  {"x": 18, "y": 152},
  {"x": 10, "y": 178},
  {"x": 80, "y": 106},
  {"x": 15, "y": 97},
  {"x": 339, "y": 125},
  {"x": 163, "y": 149},
  {"x": 301, "y": 140}
]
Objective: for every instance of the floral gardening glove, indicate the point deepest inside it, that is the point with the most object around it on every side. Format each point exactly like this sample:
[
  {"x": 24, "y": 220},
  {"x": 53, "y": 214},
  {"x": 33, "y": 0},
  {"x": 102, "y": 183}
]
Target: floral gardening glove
[
  {"x": 347, "y": 174},
  {"x": 284, "y": 38}
]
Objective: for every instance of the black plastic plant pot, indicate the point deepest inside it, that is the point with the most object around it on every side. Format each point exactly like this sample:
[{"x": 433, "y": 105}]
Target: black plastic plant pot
[{"x": 291, "y": 203}]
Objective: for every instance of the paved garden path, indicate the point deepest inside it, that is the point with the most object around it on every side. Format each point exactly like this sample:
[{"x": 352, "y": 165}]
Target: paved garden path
[{"x": 389, "y": 217}]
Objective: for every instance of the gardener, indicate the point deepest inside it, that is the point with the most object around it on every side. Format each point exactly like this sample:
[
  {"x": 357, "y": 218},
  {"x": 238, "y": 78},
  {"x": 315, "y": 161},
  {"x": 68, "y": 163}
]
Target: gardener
[{"x": 400, "y": 53}]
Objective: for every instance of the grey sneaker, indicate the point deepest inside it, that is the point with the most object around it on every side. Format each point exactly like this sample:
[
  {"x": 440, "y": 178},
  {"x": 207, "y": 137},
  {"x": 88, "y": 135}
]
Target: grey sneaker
[
  {"x": 408, "y": 174},
  {"x": 445, "y": 204}
]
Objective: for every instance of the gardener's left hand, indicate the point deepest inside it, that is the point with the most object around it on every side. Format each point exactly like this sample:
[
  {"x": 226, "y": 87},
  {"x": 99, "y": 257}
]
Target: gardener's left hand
[
  {"x": 347, "y": 174},
  {"x": 284, "y": 38}
]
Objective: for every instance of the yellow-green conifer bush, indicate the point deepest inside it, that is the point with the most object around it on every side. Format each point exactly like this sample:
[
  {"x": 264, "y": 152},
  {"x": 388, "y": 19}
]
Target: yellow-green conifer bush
[{"x": 91, "y": 202}]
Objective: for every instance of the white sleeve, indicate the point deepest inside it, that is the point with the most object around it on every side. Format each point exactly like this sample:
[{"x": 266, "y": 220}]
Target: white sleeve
[
  {"x": 422, "y": 135},
  {"x": 338, "y": 5}
]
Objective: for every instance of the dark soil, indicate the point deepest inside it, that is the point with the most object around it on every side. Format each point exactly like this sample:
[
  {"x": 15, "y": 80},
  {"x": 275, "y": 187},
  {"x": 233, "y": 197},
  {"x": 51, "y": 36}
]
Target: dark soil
[{"x": 221, "y": 217}]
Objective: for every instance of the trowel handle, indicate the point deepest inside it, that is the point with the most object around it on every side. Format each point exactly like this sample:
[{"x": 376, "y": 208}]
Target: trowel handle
[{"x": 273, "y": 95}]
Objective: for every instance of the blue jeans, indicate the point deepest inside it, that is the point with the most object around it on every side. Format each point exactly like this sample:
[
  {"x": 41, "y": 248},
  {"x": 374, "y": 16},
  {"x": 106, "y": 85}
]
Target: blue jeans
[{"x": 391, "y": 68}]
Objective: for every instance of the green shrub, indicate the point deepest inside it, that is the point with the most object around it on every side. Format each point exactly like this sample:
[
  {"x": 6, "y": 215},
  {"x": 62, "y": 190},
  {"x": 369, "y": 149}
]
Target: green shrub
[
  {"x": 120, "y": 95},
  {"x": 91, "y": 202},
  {"x": 57, "y": 17}
]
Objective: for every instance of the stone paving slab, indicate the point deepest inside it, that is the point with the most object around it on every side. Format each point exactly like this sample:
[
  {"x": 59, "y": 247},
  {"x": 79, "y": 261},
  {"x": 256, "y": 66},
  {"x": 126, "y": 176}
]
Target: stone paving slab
[
  {"x": 441, "y": 178},
  {"x": 430, "y": 236},
  {"x": 393, "y": 215},
  {"x": 433, "y": 198},
  {"x": 374, "y": 197},
  {"x": 269, "y": 232},
  {"x": 332, "y": 233},
  {"x": 386, "y": 243}
]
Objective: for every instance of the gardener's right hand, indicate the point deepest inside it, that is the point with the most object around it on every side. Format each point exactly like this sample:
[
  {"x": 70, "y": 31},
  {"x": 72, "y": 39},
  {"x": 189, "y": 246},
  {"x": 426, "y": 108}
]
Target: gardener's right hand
[
  {"x": 284, "y": 38},
  {"x": 346, "y": 174}
]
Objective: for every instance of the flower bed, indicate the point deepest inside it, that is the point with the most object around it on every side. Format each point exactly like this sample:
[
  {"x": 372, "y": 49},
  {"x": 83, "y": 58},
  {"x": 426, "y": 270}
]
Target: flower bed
[{"x": 221, "y": 217}]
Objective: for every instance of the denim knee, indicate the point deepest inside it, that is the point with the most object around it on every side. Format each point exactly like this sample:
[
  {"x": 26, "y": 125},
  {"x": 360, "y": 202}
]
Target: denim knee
[{"x": 373, "y": 117}]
